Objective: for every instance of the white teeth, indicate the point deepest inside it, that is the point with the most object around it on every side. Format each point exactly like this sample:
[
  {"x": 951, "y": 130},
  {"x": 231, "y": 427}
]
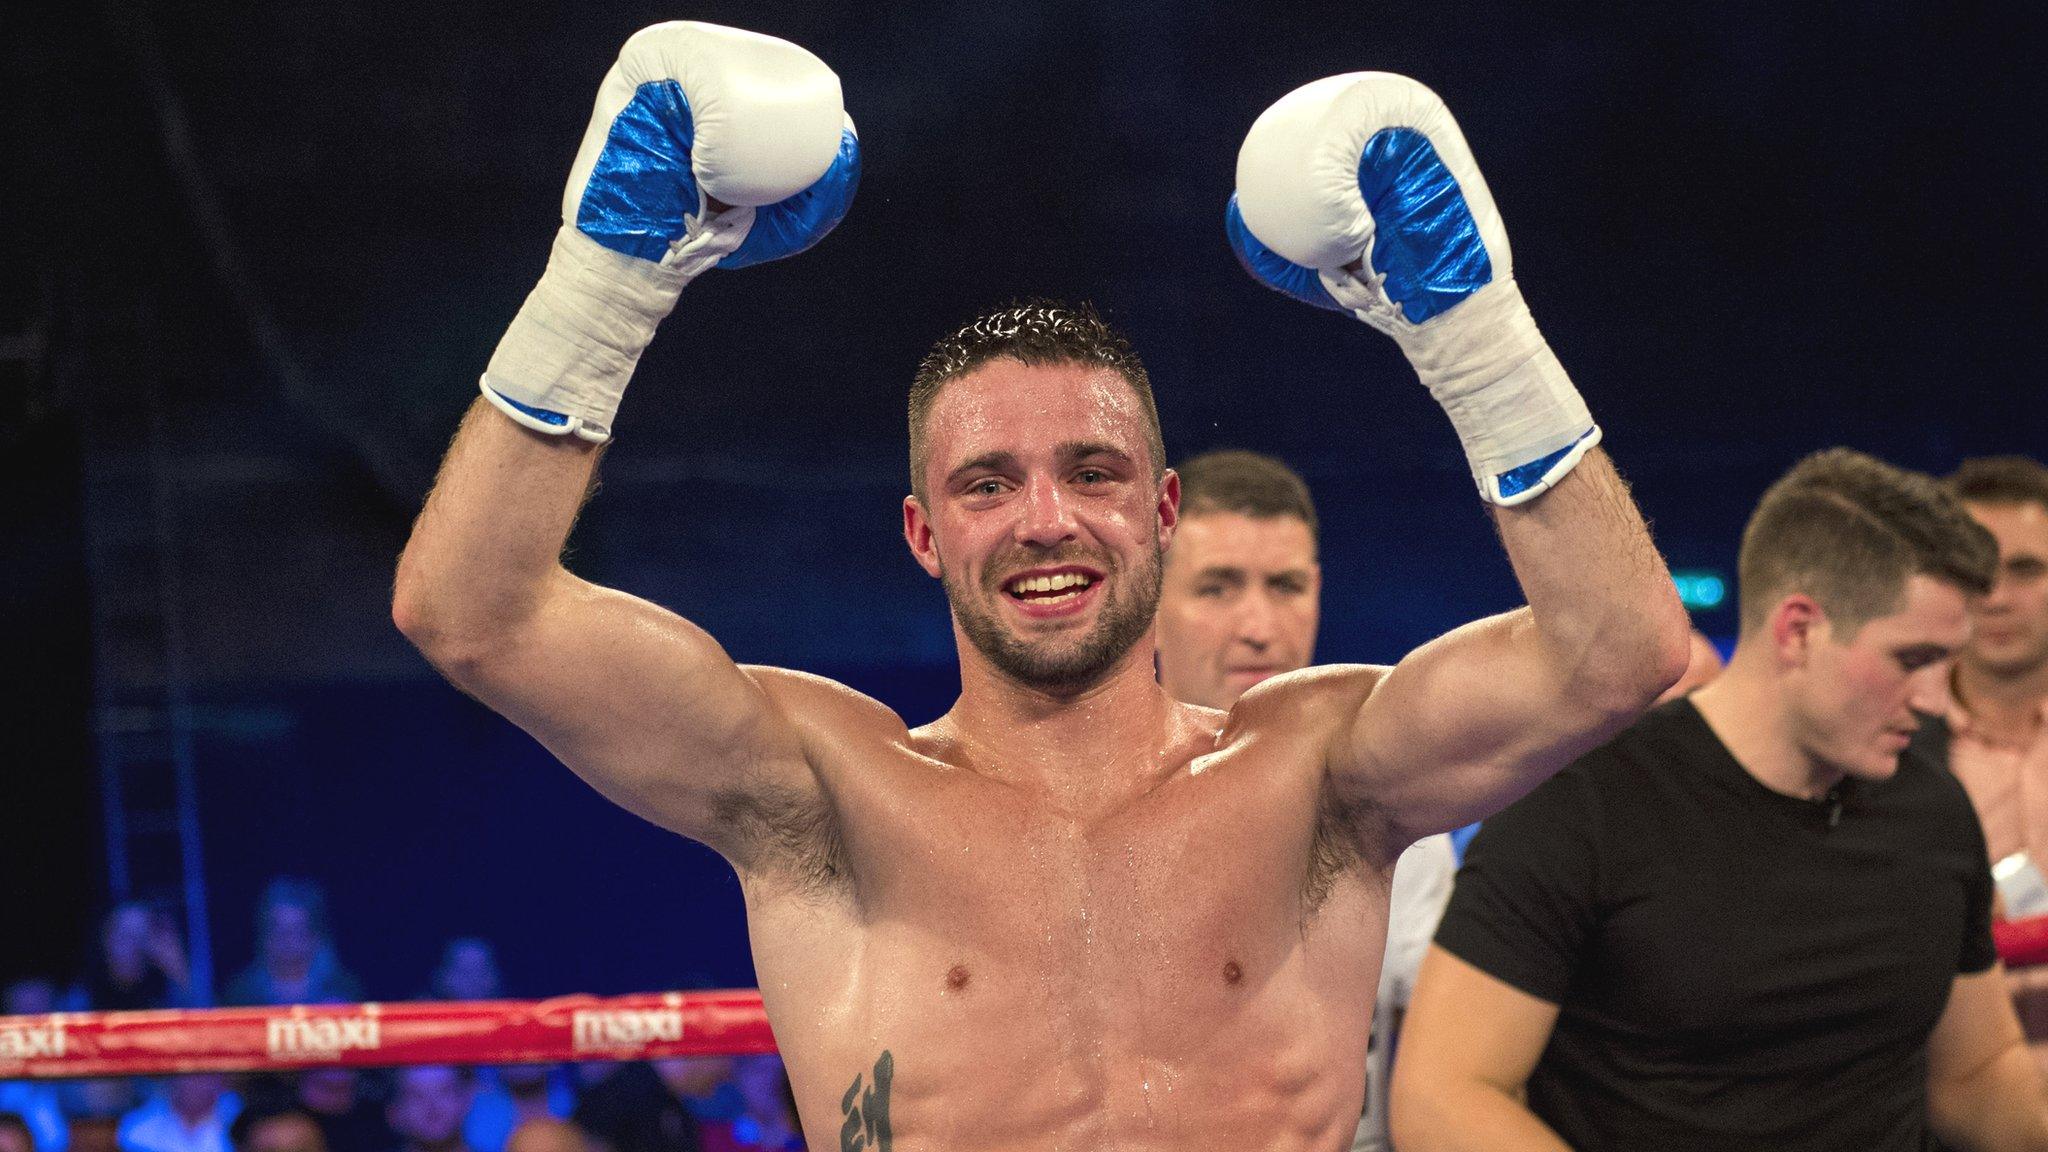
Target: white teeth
[{"x": 1057, "y": 583}]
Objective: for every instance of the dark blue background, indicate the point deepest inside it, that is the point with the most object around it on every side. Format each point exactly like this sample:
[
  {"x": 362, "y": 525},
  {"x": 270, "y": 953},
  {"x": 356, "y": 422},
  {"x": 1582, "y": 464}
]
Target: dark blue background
[{"x": 1750, "y": 231}]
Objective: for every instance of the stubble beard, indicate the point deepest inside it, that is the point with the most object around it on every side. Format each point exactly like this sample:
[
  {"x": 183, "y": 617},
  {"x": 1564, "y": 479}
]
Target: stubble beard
[{"x": 1049, "y": 665}]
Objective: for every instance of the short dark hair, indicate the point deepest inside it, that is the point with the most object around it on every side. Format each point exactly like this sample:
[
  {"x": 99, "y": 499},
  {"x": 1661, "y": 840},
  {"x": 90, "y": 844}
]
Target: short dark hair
[
  {"x": 1035, "y": 333},
  {"x": 1848, "y": 530},
  {"x": 1247, "y": 483},
  {"x": 2000, "y": 480}
]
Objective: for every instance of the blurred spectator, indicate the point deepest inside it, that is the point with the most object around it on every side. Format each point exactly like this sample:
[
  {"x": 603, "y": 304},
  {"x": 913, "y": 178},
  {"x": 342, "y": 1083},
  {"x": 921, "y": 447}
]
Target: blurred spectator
[
  {"x": 95, "y": 1109},
  {"x": 30, "y": 997},
  {"x": 428, "y": 1105},
  {"x": 509, "y": 1097},
  {"x": 139, "y": 963},
  {"x": 190, "y": 1113},
  {"x": 770, "y": 1120},
  {"x": 630, "y": 1109},
  {"x": 548, "y": 1134},
  {"x": 95, "y": 1133},
  {"x": 32, "y": 1102},
  {"x": 35, "y": 1107},
  {"x": 705, "y": 1086},
  {"x": 295, "y": 961},
  {"x": 350, "y": 1120},
  {"x": 15, "y": 1135},
  {"x": 276, "y": 1125},
  {"x": 1995, "y": 739},
  {"x": 468, "y": 971}
]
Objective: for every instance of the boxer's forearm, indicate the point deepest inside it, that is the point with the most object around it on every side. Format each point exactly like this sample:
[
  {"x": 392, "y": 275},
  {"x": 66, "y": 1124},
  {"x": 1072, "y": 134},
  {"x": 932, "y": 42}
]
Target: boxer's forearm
[
  {"x": 486, "y": 549},
  {"x": 1467, "y": 1117},
  {"x": 1606, "y": 615}
]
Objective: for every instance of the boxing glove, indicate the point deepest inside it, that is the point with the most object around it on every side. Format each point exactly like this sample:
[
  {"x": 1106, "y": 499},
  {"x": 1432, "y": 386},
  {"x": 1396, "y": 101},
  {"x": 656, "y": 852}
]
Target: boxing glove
[
  {"x": 709, "y": 147},
  {"x": 1358, "y": 193}
]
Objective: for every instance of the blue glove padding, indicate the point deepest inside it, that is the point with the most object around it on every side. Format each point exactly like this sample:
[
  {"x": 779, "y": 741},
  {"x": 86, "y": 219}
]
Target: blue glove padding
[{"x": 642, "y": 193}]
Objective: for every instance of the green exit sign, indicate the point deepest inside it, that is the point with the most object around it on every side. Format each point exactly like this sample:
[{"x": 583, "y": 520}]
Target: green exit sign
[{"x": 1700, "y": 588}]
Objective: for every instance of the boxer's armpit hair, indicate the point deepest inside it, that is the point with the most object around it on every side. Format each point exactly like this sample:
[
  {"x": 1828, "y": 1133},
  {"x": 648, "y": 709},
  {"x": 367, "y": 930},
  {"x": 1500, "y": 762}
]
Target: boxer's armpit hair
[
  {"x": 1335, "y": 849},
  {"x": 789, "y": 832}
]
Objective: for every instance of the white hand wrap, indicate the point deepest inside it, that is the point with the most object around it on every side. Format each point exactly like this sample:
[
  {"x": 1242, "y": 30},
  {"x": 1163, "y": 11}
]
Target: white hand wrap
[
  {"x": 563, "y": 364},
  {"x": 1506, "y": 394}
]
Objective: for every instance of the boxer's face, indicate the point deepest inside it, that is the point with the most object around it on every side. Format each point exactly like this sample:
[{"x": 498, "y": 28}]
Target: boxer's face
[
  {"x": 2010, "y": 638},
  {"x": 1045, "y": 523},
  {"x": 1240, "y": 605},
  {"x": 1854, "y": 700}
]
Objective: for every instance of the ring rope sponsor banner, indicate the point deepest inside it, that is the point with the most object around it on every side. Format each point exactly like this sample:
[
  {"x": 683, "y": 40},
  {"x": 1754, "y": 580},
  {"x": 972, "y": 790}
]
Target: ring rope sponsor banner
[{"x": 640, "y": 1027}]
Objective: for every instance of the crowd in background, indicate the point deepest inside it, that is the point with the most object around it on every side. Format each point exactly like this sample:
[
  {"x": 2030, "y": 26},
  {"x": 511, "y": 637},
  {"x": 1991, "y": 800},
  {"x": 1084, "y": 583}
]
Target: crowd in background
[
  {"x": 1986, "y": 722},
  {"x": 688, "y": 1104}
]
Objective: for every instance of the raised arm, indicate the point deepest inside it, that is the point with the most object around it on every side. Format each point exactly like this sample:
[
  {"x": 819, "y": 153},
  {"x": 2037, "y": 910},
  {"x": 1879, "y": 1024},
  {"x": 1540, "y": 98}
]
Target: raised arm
[
  {"x": 1469, "y": 722},
  {"x": 641, "y": 703},
  {"x": 1358, "y": 193}
]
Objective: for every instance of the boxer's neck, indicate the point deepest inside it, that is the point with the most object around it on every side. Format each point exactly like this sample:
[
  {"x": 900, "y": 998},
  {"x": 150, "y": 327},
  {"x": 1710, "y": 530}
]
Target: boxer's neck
[{"x": 1096, "y": 742}]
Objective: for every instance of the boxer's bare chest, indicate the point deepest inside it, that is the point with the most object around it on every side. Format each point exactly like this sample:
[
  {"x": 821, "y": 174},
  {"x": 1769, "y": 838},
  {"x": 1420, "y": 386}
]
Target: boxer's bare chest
[{"x": 1023, "y": 960}]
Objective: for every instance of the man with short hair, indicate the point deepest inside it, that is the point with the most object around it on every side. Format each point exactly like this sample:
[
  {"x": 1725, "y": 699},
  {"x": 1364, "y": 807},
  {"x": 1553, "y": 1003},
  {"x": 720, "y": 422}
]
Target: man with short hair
[
  {"x": 1239, "y": 605},
  {"x": 279, "y": 1125},
  {"x": 1242, "y": 591},
  {"x": 428, "y": 1105},
  {"x": 1073, "y": 911},
  {"x": 1998, "y": 692},
  {"x": 1748, "y": 922}
]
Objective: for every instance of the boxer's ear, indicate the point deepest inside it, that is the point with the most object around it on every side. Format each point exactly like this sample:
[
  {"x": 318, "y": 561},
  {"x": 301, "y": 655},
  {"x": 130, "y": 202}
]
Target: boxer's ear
[
  {"x": 917, "y": 532},
  {"x": 1169, "y": 507}
]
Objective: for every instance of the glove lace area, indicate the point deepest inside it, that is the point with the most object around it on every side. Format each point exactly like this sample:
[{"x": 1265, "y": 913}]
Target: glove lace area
[
  {"x": 1522, "y": 422},
  {"x": 562, "y": 366}
]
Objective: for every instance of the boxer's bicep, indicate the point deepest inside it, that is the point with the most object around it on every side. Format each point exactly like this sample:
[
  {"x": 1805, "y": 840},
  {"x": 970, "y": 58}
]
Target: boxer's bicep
[
  {"x": 1463, "y": 726},
  {"x": 649, "y": 710}
]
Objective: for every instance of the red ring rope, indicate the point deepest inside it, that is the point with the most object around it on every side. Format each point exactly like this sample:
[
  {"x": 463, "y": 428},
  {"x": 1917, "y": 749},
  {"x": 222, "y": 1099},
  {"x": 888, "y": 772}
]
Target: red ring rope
[
  {"x": 640, "y": 1027},
  {"x": 645, "y": 1026}
]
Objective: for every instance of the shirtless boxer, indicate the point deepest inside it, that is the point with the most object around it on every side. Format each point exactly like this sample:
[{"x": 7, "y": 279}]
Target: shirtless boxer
[{"x": 1072, "y": 913}]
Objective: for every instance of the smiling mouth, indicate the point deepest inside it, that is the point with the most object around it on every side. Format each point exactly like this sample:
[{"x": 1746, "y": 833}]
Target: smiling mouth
[{"x": 1048, "y": 588}]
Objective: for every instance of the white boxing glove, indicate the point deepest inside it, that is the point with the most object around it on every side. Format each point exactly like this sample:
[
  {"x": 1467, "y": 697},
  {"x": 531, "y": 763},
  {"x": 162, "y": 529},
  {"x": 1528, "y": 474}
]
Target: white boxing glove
[
  {"x": 1358, "y": 193},
  {"x": 691, "y": 113}
]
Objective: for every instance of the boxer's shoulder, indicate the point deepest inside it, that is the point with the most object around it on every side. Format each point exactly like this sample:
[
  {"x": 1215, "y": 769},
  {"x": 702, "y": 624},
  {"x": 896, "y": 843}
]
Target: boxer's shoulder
[
  {"x": 823, "y": 705},
  {"x": 1305, "y": 703},
  {"x": 845, "y": 734}
]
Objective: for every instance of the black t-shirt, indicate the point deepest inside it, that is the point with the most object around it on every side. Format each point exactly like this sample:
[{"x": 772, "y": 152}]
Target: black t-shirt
[{"x": 1734, "y": 968}]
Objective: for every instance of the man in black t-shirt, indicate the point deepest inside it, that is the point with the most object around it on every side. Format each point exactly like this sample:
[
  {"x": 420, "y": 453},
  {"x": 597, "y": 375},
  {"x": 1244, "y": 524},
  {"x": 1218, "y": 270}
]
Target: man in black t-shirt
[{"x": 1748, "y": 922}]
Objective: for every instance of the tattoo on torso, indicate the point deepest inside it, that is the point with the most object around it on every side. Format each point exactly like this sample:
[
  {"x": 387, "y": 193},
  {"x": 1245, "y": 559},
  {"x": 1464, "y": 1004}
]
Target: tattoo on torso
[{"x": 866, "y": 1107}]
